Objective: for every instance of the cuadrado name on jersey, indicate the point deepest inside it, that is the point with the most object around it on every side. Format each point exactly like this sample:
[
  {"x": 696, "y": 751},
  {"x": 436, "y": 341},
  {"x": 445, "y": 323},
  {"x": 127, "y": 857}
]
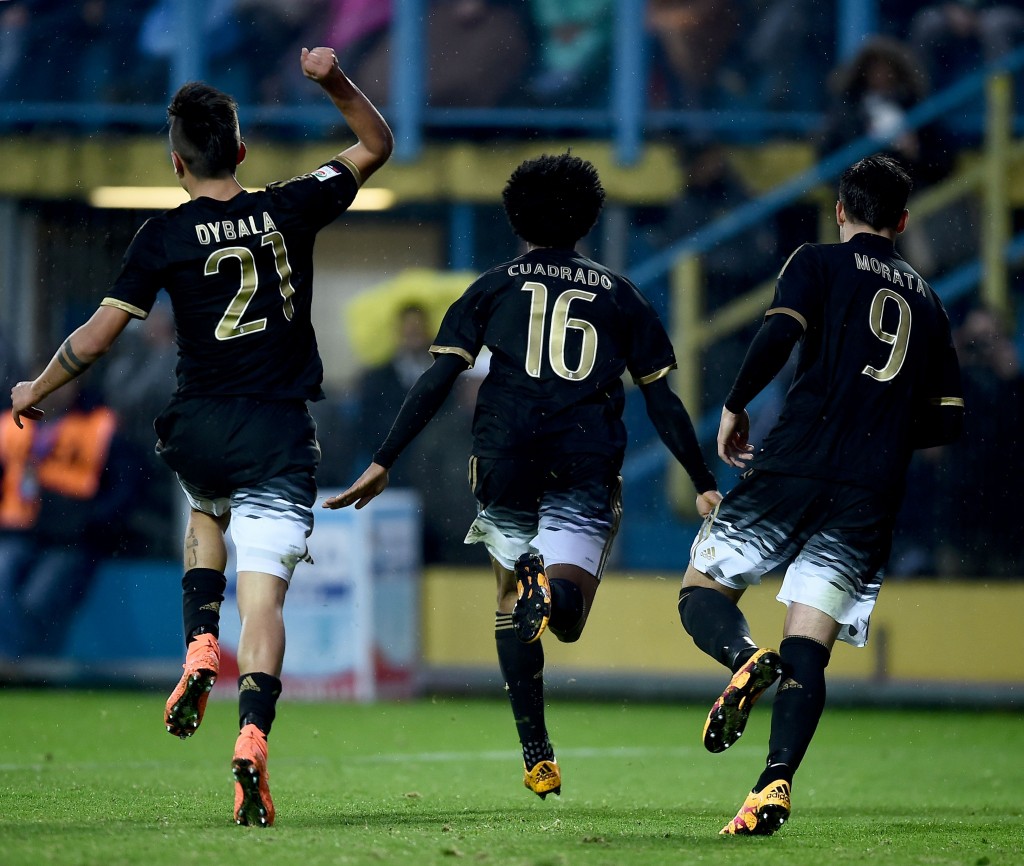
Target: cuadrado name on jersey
[{"x": 584, "y": 276}]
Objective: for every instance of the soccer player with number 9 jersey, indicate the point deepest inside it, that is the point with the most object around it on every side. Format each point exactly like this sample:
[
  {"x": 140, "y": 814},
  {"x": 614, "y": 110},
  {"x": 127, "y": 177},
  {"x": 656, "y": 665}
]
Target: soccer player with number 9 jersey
[{"x": 876, "y": 377}]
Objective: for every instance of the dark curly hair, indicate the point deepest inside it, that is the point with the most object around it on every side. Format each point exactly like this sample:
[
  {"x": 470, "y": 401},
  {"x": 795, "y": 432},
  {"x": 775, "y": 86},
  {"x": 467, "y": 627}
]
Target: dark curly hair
[
  {"x": 553, "y": 201},
  {"x": 204, "y": 129},
  {"x": 874, "y": 191}
]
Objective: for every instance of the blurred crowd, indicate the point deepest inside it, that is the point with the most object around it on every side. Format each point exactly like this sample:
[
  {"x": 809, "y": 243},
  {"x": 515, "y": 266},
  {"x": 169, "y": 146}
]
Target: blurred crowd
[{"x": 771, "y": 55}]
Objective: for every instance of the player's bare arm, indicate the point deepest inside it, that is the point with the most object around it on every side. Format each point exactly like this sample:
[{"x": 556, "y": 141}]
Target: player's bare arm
[
  {"x": 76, "y": 354},
  {"x": 733, "y": 430},
  {"x": 375, "y": 141},
  {"x": 369, "y": 485}
]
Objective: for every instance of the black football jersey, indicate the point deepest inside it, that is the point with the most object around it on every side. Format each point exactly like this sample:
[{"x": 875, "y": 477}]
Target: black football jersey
[
  {"x": 562, "y": 330},
  {"x": 239, "y": 274},
  {"x": 875, "y": 351}
]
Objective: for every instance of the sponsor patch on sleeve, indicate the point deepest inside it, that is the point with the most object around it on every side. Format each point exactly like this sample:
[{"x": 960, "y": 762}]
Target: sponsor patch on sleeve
[{"x": 326, "y": 172}]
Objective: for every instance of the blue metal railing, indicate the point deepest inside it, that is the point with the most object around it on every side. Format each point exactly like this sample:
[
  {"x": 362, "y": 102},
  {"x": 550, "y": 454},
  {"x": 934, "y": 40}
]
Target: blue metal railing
[
  {"x": 624, "y": 118},
  {"x": 832, "y": 166},
  {"x": 649, "y": 460}
]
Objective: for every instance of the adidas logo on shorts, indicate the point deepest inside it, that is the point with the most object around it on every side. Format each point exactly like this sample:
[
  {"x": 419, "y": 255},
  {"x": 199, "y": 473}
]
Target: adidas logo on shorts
[{"x": 708, "y": 552}]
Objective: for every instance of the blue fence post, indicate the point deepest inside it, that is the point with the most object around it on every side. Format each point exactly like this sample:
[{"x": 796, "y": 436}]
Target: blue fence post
[
  {"x": 461, "y": 236},
  {"x": 855, "y": 21},
  {"x": 408, "y": 71},
  {"x": 189, "y": 60},
  {"x": 629, "y": 81}
]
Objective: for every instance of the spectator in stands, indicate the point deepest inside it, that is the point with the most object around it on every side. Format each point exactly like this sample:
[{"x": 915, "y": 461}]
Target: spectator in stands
[
  {"x": 356, "y": 26},
  {"x": 957, "y": 37},
  {"x": 979, "y": 475},
  {"x": 139, "y": 380},
  {"x": 272, "y": 31},
  {"x": 690, "y": 40},
  {"x": 477, "y": 52},
  {"x": 74, "y": 50},
  {"x": 574, "y": 41},
  {"x": 382, "y": 389},
  {"x": 872, "y": 94},
  {"x": 785, "y": 52},
  {"x": 64, "y": 482},
  {"x": 435, "y": 457},
  {"x": 218, "y": 33},
  {"x": 13, "y": 27}
]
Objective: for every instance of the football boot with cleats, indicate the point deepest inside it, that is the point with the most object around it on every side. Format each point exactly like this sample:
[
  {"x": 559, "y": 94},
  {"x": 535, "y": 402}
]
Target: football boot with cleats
[
  {"x": 253, "y": 805},
  {"x": 762, "y": 813},
  {"x": 729, "y": 714},
  {"x": 532, "y": 612},
  {"x": 544, "y": 778},
  {"x": 187, "y": 703}
]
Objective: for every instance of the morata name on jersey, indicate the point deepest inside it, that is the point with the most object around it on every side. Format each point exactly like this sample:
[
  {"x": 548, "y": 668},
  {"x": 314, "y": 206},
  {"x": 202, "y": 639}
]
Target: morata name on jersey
[
  {"x": 585, "y": 276},
  {"x": 893, "y": 275},
  {"x": 232, "y": 230}
]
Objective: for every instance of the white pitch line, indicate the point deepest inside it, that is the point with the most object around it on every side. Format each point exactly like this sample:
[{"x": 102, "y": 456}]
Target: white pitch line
[{"x": 620, "y": 753}]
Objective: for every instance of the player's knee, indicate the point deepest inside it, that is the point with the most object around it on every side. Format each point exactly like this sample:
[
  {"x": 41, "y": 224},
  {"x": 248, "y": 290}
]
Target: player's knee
[{"x": 569, "y": 635}]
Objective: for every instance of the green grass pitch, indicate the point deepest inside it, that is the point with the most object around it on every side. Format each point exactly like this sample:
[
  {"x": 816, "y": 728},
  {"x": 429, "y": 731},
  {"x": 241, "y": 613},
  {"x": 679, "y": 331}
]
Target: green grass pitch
[{"x": 92, "y": 778}]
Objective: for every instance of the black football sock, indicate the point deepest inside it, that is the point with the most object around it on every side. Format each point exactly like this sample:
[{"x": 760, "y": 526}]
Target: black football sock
[
  {"x": 567, "y": 608},
  {"x": 202, "y": 593},
  {"x": 522, "y": 666},
  {"x": 257, "y": 700},
  {"x": 717, "y": 626},
  {"x": 799, "y": 703}
]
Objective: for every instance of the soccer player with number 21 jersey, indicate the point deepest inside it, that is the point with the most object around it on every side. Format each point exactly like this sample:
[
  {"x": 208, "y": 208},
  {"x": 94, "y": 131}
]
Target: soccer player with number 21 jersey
[{"x": 238, "y": 267}]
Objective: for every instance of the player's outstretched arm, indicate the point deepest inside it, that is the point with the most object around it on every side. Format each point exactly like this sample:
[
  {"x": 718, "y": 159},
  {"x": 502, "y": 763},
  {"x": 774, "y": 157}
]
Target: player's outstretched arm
[
  {"x": 369, "y": 485},
  {"x": 375, "y": 141},
  {"x": 673, "y": 425},
  {"x": 77, "y": 353}
]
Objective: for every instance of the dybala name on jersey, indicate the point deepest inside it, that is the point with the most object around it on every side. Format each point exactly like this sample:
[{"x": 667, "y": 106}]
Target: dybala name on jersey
[{"x": 232, "y": 230}]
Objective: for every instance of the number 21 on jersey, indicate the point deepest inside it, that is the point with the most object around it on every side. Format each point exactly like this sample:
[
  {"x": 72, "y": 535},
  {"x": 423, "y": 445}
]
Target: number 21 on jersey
[{"x": 230, "y": 324}]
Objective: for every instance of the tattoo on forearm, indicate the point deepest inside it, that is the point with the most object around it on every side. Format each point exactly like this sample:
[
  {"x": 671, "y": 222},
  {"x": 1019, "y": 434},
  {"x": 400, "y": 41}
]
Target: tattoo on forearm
[
  {"x": 191, "y": 543},
  {"x": 70, "y": 361}
]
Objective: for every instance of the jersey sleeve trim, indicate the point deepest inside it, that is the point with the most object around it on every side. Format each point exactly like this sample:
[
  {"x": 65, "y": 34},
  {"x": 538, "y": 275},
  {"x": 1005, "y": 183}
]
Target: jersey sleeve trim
[
  {"x": 453, "y": 350},
  {"x": 351, "y": 166},
  {"x": 130, "y": 309},
  {"x": 655, "y": 376},
  {"x": 788, "y": 311}
]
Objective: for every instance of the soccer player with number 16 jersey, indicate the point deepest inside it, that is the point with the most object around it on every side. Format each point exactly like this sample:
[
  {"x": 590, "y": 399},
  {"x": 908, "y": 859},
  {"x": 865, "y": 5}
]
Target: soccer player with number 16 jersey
[{"x": 548, "y": 437}]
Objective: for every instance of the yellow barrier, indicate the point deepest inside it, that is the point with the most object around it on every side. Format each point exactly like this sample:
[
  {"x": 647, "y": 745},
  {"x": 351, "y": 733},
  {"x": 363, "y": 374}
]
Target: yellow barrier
[{"x": 925, "y": 631}]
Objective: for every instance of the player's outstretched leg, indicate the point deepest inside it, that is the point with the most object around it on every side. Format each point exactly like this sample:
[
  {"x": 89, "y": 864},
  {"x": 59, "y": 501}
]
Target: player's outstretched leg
[
  {"x": 729, "y": 714},
  {"x": 253, "y": 805},
  {"x": 762, "y": 813},
  {"x": 532, "y": 611},
  {"x": 543, "y": 778},
  {"x": 187, "y": 703}
]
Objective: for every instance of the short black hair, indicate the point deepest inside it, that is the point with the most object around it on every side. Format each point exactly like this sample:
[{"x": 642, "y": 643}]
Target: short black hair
[
  {"x": 204, "y": 129},
  {"x": 874, "y": 191},
  {"x": 553, "y": 201}
]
